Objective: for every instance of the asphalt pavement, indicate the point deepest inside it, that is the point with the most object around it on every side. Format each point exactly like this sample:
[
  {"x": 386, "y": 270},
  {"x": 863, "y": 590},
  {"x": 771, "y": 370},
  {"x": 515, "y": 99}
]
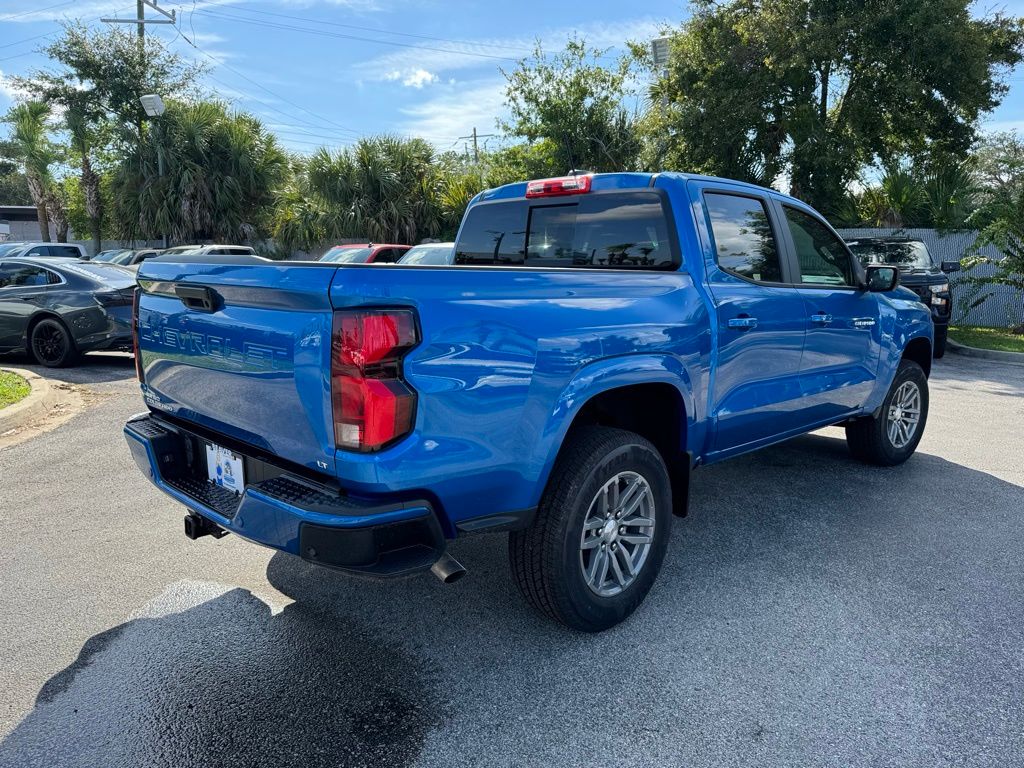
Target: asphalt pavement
[{"x": 811, "y": 612}]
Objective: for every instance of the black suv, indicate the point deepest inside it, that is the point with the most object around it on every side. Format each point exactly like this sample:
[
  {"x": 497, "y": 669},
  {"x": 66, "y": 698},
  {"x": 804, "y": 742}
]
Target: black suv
[{"x": 917, "y": 272}]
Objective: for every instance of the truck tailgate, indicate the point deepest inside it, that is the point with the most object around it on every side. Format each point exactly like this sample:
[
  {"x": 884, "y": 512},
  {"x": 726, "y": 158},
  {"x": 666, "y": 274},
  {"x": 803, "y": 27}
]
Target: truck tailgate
[{"x": 243, "y": 350}]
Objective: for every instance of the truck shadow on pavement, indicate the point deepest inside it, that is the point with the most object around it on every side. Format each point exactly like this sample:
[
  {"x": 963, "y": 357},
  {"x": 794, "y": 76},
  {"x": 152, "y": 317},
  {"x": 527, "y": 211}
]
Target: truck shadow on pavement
[
  {"x": 222, "y": 681},
  {"x": 807, "y": 601}
]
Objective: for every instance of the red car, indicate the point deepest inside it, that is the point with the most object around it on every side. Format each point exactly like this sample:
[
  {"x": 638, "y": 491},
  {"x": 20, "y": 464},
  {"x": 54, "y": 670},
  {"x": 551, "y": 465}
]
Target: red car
[{"x": 366, "y": 253}]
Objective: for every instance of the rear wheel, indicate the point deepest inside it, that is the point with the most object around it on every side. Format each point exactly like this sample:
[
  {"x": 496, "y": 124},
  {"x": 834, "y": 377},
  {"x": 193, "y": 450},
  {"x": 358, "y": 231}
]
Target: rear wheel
[
  {"x": 52, "y": 344},
  {"x": 892, "y": 436},
  {"x": 601, "y": 531}
]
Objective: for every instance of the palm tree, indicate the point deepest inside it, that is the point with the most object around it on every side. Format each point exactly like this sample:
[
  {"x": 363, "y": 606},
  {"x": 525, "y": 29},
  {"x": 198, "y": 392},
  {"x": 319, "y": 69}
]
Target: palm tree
[
  {"x": 223, "y": 173},
  {"x": 80, "y": 127},
  {"x": 36, "y": 153},
  {"x": 383, "y": 189}
]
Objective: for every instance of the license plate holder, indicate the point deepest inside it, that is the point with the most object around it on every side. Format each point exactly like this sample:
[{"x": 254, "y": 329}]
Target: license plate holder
[{"x": 225, "y": 468}]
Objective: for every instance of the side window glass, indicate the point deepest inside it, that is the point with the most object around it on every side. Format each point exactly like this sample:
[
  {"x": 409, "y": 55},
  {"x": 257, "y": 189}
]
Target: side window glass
[
  {"x": 23, "y": 276},
  {"x": 52, "y": 278},
  {"x": 822, "y": 256},
  {"x": 6, "y": 274},
  {"x": 744, "y": 242},
  {"x": 386, "y": 256},
  {"x": 39, "y": 250}
]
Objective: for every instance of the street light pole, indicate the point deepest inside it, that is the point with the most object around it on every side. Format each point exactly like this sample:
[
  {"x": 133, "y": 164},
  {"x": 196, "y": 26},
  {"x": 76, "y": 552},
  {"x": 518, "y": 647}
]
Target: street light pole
[{"x": 155, "y": 108}]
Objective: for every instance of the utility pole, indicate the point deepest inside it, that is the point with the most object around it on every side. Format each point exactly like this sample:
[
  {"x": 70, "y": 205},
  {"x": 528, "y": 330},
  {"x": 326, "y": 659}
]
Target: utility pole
[
  {"x": 476, "y": 148},
  {"x": 141, "y": 21}
]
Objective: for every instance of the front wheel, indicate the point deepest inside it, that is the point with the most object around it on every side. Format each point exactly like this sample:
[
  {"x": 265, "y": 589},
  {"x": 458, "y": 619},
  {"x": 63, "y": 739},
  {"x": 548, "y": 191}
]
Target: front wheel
[
  {"x": 601, "y": 531},
  {"x": 892, "y": 436}
]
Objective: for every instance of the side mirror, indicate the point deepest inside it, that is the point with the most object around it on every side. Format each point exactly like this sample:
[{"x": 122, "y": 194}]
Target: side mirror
[
  {"x": 950, "y": 266},
  {"x": 881, "y": 278}
]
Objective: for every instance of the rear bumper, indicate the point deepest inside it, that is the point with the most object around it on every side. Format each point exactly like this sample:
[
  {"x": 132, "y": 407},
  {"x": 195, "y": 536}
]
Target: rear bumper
[{"x": 287, "y": 512}]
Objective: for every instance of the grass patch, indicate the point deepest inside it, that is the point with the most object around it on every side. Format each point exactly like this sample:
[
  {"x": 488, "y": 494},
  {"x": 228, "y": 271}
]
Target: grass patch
[
  {"x": 12, "y": 388},
  {"x": 999, "y": 339}
]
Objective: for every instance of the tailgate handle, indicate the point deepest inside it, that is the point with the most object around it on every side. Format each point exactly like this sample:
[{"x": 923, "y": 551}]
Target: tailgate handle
[{"x": 197, "y": 297}]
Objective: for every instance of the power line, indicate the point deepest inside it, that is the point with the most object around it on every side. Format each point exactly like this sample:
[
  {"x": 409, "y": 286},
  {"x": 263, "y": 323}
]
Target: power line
[
  {"x": 28, "y": 39},
  {"x": 35, "y": 10},
  {"x": 262, "y": 87},
  {"x": 340, "y": 36},
  {"x": 295, "y": 17}
]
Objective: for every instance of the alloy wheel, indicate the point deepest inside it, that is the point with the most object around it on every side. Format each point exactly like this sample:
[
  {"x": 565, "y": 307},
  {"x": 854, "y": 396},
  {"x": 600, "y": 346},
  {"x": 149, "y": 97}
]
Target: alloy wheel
[
  {"x": 49, "y": 342},
  {"x": 617, "y": 534},
  {"x": 904, "y": 414}
]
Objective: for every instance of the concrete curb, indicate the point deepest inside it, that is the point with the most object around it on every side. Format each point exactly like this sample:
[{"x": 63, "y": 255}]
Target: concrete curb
[
  {"x": 33, "y": 408},
  {"x": 985, "y": 354}
]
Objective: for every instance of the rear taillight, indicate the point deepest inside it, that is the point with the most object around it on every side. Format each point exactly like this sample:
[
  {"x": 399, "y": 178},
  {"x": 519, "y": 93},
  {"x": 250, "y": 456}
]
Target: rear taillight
[
  {"x": 135, "y": 333},
  {"x": 563, "y": 185},
  {"x": 373, "y": 406}
]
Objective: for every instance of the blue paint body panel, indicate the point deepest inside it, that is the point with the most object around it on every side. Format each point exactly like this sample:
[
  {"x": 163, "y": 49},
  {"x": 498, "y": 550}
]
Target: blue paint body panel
[{"x": 509, "y": 355}]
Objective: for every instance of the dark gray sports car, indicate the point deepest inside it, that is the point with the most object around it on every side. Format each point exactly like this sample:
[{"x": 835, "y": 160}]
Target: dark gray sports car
[{"x": 56, "y": 309}]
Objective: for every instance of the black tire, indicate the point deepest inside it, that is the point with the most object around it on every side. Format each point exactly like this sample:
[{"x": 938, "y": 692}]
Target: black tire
[
  {"x": 869, "y": 438},
  {"x": 548, "y": 559},
  {"x": 51, "y": 344},
  {"x": 939, "y": 347}
]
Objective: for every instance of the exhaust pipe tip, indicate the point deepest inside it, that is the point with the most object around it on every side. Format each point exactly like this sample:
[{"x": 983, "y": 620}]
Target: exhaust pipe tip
[{"x": 448, "y": 569}]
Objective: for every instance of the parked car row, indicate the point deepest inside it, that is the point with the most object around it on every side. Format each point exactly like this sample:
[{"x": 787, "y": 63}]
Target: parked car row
[
  {"x": 56, "y": 303},
  {"x": 435, "y": 254},
  {"x": 56, "y": 308}
]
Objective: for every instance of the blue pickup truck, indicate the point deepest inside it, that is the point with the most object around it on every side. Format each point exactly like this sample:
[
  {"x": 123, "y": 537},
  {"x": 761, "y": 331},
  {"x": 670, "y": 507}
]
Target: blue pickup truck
[{"x": 598, "y": 338}]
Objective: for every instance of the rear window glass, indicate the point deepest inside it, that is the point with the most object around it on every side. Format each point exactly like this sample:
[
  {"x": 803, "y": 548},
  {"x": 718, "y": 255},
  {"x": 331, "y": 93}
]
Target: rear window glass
[
  {"x": 65, "y": 250},
  {"x": 611, "y": 231},
  {"x": 109, "y": 274}
]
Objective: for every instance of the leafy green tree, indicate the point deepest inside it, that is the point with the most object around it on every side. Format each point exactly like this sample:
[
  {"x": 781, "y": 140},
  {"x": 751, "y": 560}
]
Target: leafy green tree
[
  {"x": 520, "y": 162},
  {"x": 222, "y": 174},
  {"x": 13, "y": 184},
  {"x": 1000, "y": 217},
  {"x": 31, "y": 145},
  {"x": 577, "y": 106},
  {"x": 104, "y": 72},
  {"x": 96, "y": 80},
  {"x": 814, "y": 90},
  {"x": 383, "y": 189}
]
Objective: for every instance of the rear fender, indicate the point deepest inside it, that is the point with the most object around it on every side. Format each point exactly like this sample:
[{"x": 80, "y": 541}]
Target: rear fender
[{"x": 602, "y": 376}]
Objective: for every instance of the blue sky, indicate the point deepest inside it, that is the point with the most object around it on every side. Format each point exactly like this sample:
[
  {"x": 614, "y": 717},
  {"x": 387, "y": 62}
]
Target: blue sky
[{"x": 323, "y": 72}]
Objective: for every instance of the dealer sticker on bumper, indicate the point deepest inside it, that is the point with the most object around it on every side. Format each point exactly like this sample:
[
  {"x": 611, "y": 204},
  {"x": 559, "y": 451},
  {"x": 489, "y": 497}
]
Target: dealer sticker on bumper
[{"x": 225, "y": 468}]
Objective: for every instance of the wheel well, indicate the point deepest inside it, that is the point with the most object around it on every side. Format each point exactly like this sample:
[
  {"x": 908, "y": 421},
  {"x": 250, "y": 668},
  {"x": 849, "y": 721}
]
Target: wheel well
[
  {"x": 920, "y": 351},
  {"x": 36, "y": 319},
  {"x": 655, "y": 411}
]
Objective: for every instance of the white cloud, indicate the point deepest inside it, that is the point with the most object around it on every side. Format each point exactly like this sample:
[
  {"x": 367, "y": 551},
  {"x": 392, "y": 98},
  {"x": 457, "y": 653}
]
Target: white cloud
[
  {"x": 415, "y": 78},
  {"x": 475, "y": 53},
  {"x": 455, "y": 111}
]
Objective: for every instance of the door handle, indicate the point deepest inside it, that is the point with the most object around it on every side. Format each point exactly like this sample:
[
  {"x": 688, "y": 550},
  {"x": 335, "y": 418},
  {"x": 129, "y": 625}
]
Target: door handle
[
  {"x": 821, "y": 318},
  {"x": 743, "y": 322}
]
